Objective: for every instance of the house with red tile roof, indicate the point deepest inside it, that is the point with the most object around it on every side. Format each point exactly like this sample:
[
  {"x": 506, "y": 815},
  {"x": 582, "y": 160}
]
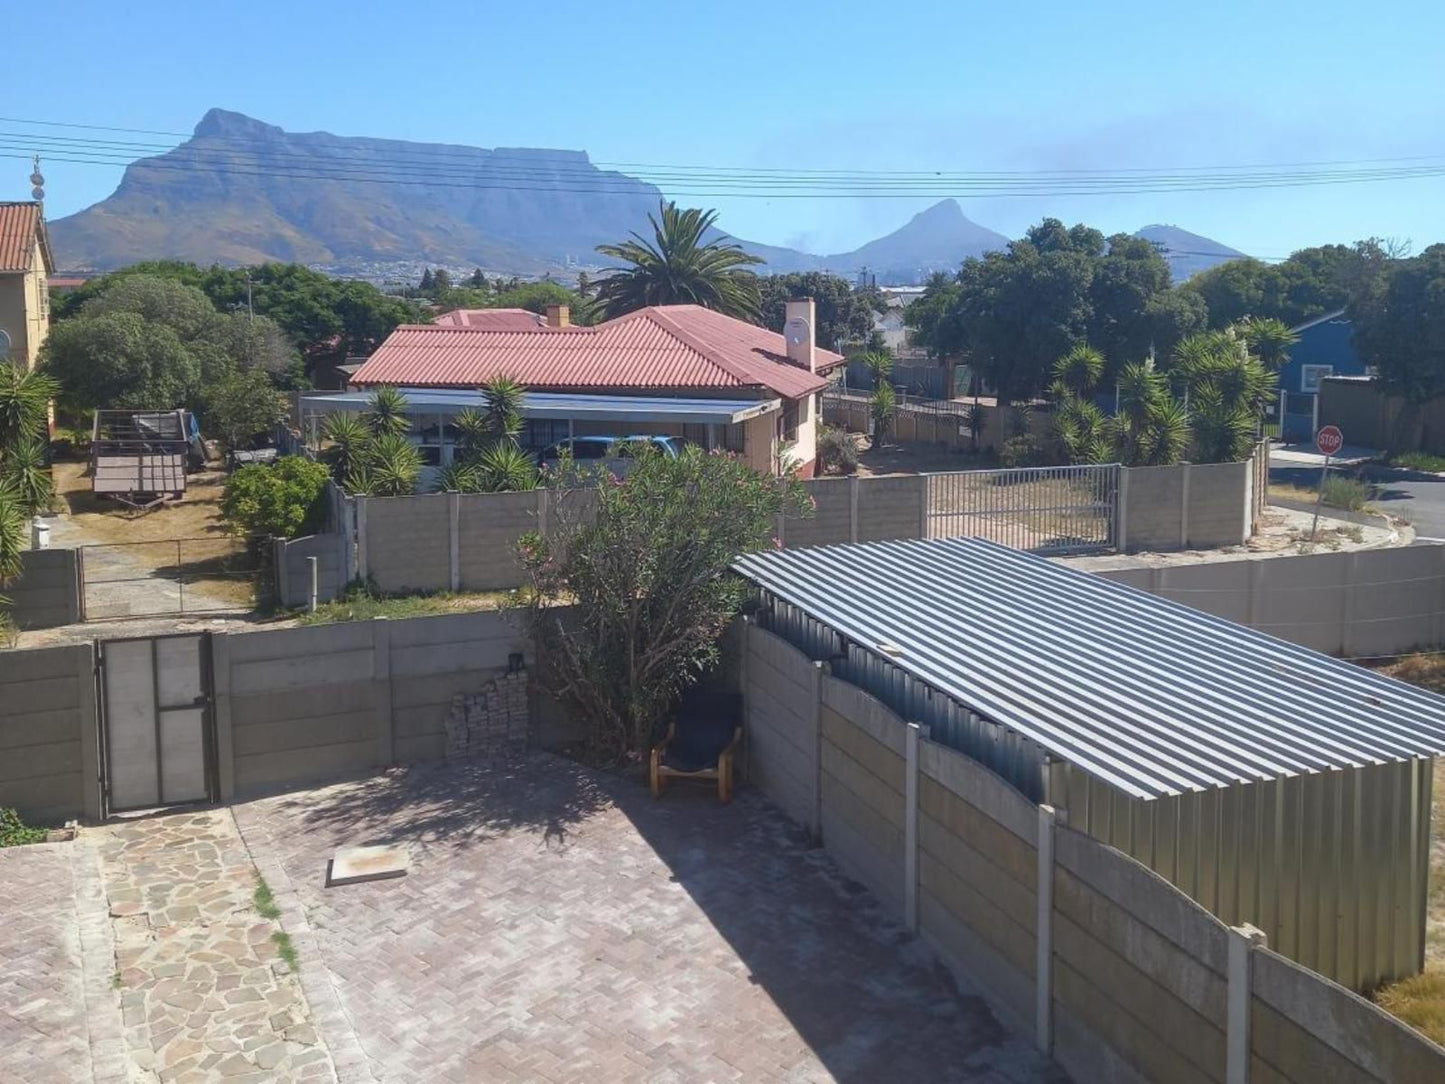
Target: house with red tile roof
[
  {"x": 25, "y": 261},
  {"x": 765, "y": 386}
]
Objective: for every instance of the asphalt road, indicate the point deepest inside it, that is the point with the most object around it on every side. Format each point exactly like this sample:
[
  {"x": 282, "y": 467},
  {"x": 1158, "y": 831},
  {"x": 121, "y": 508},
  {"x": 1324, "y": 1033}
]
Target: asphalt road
[{"x": 1415, "y": 497}]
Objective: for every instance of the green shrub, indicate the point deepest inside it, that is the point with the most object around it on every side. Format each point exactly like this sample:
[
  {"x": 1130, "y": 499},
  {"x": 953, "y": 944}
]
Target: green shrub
[
  {"x": 837, "y": 453},
  {"x": 285, "y": 500},
  {"x": 1422, "y": 461},
  {"x": 1350, "y": 493},
  {"x": 14, "y": 831}
]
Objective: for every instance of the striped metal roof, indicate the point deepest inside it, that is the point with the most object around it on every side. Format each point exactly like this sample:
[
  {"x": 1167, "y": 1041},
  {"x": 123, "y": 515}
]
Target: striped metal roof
[
  {"x": 619, "y": 408},
  {"x": 665, "y": 346},
  {"x": 1149, "y": 695}
]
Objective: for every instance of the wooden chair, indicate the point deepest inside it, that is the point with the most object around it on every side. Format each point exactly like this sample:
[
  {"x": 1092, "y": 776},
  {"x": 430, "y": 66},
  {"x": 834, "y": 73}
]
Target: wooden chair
[{"x": 704, "y": 748}]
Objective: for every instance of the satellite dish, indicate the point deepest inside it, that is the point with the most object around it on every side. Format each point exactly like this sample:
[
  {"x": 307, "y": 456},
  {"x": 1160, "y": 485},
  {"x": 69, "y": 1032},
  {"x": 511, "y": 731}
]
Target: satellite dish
[{"x": 797, "y": 331}]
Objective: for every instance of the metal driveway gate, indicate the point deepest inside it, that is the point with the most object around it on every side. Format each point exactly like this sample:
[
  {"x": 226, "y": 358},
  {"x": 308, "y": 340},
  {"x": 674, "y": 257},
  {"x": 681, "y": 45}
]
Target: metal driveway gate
[
  {"x": 210, "y": 574},
  {"x": 158, "y": 731},
  {"x": 1050, "y": 510}
]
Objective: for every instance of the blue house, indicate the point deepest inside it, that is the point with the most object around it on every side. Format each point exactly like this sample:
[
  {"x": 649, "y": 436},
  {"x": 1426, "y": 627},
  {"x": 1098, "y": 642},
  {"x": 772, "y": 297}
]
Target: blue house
[{"x": 1325, "y": 348}]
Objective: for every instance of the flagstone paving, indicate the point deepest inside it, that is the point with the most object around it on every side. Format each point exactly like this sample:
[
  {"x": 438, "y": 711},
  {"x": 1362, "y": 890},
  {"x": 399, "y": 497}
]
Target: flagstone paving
[{"x": 204, "y": 993}]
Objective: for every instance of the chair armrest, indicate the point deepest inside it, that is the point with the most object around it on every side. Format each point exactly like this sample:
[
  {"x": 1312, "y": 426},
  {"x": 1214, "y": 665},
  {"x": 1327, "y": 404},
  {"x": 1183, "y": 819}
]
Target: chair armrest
[{"x": 661, "y": 747}]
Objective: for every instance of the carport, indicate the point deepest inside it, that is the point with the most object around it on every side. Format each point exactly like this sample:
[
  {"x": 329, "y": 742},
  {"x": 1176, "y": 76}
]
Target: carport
[{"x": 1273, "y": 784}]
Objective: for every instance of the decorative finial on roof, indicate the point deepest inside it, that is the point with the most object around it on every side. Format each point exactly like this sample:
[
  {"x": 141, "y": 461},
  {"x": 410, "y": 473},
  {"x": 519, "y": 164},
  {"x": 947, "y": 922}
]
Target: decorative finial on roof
[{"x": 37, "y": 182}]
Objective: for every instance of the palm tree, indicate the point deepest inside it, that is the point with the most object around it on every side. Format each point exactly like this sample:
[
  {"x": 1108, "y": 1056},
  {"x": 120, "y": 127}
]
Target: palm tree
[
  {"x": 1269, "y": 340},
  {"x": 883, "y": 406},
  {"x": 393, "y": 465},
  {"x": 505, "y": 468},
  {"x": 473, "y": 431},
  {"x": 24, "y": 471},
  {"x": 1079, "y": 370},
  {"x": 24, "y": 403},
  {"x": 458, "y": 476},
  {"x": 677, "y": 267},
  {"x": 504, "y": 407},
  {"x": 348, "y": 437},
  {"x": 386, "y": 413}
]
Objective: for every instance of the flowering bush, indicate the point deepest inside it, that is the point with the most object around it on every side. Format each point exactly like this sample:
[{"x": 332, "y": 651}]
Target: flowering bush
[{"x": 644, "y": 560}]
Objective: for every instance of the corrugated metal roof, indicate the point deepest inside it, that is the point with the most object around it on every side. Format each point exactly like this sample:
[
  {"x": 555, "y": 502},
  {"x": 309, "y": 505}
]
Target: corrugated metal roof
[
  {"x": 1147, "y": 694},
  {"x": 20, "y": 226},
  {"x": 637, "y": 408},
  {"x": 671, "y": 346}
]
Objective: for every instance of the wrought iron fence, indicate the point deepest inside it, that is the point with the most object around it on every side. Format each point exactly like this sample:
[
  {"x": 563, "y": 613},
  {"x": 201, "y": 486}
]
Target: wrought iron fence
[
  {"x": 1048, "y": 510},
  {"x": 216, "y": 574}
]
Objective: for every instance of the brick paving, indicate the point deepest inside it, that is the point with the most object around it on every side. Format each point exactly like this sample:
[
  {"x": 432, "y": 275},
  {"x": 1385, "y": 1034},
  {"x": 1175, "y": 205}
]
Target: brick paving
[
  {"x": 203, "y": 992},
  {"x": 559, "y": 925},
  {"x": 44, "y": 1036}
]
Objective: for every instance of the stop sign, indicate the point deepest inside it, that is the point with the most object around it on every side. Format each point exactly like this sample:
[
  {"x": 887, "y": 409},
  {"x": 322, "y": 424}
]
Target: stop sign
[{"x": 1329, "y": 440}]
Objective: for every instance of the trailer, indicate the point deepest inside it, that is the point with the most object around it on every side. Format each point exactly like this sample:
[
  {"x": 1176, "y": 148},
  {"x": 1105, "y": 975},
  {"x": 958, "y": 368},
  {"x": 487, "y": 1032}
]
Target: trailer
[{"x": 139, "y": 457}]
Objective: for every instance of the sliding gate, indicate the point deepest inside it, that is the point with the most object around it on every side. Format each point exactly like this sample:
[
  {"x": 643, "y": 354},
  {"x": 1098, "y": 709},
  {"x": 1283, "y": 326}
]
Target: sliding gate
[{"x": 158, "y": 730}]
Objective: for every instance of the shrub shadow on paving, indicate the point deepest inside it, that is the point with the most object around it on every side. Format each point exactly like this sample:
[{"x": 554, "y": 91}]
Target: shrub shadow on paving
[{"x": 559, "y": 925}]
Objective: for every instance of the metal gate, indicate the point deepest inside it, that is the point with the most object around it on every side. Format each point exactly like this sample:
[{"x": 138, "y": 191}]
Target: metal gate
[
  {"x": 1050, "y": 510},
  {"x": 158, "y": 730},
  {"x": 215, "y": 574}
]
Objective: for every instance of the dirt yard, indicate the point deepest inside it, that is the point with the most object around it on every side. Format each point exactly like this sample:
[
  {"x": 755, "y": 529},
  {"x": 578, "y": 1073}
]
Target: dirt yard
[
  {"x": 913, "y": 458},
  {"x": 1420, "y": 1001}
]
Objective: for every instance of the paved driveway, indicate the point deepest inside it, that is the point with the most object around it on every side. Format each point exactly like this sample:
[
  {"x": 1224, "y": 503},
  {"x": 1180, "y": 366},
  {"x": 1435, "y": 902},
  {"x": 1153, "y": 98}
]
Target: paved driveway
[{"x": 559, "y": 925}]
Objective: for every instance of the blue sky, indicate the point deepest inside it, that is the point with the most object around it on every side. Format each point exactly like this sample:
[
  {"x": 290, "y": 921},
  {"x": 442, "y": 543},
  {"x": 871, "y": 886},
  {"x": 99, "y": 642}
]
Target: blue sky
[{"x": 802, "y": 84}]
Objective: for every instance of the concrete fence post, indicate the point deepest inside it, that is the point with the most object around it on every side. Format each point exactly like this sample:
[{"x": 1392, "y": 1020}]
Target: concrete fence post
[
  {"x": 853, "y": 509},
  {"x": 1044, "y": 934},
  {"x": 745, "y": 639},
  {"x": 543, "y": 494},
  {"x": 363, "y": 570},
  {"x": 1256, "y": 586},
  {"x": 312, "y": 584},
  {"x": 910, "y": 826},
  {"x": 86, "y": 677},
  {"x": 1243, "y": 940},
  {"x": 923, "y": 509},
  {"x": 454, "y": 540},
  {"x": 278, "y": 565},
  {"x": 1348, "y": 606},
  {"x": 381, "y": 689},
  {"x": 1184, "y": 507},
  {"x": 1121, "y": 512},
  {"x": 819, "y": 669}
]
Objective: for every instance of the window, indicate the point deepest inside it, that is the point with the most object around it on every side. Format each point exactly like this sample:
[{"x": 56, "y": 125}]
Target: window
[
  {"x": 735, "y": 437},
  {"x": 1311, "y": 375},
  {"x": 790, "y": 420},
  {"x": 4, "y": 344},
  {"x": 543, "y": 432}
]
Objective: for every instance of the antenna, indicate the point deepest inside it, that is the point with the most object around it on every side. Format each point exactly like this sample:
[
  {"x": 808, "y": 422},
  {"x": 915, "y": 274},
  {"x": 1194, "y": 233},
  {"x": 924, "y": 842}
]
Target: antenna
[{"x": 37, "y": 181}]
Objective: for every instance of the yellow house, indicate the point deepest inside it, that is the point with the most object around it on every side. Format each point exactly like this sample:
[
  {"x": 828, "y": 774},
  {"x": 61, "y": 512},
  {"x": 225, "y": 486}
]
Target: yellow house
[{"x": 25, "y": 261}]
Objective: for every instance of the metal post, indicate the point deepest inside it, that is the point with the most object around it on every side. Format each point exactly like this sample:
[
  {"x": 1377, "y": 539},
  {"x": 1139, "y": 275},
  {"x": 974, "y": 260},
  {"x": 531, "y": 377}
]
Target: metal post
[
  {"x": 1242, "y": 942},
  {"x": 180, "y": 587},
  {"x": 910, "y": 827},
  {"x": 1044, "y": 934},
  {"x": 311, "y": 579},
  {"x": 1320, "y": 498}
]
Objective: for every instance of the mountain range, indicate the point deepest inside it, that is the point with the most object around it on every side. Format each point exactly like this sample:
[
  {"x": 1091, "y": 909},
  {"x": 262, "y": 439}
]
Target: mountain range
[{"x": 242, "y": 191}]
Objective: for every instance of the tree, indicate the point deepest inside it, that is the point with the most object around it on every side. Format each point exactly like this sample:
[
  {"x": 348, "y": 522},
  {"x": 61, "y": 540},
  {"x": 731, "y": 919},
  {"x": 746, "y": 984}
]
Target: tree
[
  {"x": 25, "y": 472},
  {"x": 283, "y": 500},
  {"x": 1400, "y": 329},
  {"x": 843, "y": 313},
  {"x": 1269, "y": 340},
  {"x": 478, "y": 281},
  {"x": 386, "y": 414},
  {"x": 1124, "y": 292},
  {"x": 242, "y": 407},
  {"x": 882, "y": 406},
  {"x": 646, "y": 576},
  {"x": 504, "y": 407},
  {"x": 427, "y": 282},
  {"x": 24, "y": 403},
  {"x": 390, "y": 468},
  {"x": 14, "y": 532},
  {"x": 679, "y": 267},
  {"x": 346, "y": 436},
  {"x": 118, "y": 360}
]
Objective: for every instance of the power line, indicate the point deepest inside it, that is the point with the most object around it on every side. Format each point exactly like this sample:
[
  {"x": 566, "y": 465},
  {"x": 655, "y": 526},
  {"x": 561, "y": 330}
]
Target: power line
[
  {"x": 420, "y": 152},
  {"x": 605, "y": 185}
]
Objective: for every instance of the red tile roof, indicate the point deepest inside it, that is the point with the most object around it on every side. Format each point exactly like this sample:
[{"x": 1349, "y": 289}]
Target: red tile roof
[
  {"x": 492, "y": 319},
  {"x": 665, "y": 346},
  {"x": 21, "y": 225}
]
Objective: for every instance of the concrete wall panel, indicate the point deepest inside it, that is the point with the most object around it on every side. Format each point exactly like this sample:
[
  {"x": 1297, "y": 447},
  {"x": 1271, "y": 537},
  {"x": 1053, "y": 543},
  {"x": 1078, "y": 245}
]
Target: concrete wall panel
[{"x": 43, "y": 704}]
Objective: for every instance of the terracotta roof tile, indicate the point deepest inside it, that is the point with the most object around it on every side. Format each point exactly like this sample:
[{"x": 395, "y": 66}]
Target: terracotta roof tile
[
  {"x": 20, "y": 223},
  {"x": 671, "y": 346},
  {"x": 492, "y": 319}
]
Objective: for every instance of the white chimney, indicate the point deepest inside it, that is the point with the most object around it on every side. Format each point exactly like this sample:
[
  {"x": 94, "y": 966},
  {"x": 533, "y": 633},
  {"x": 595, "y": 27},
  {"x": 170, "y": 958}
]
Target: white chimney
[{"x": 799, "y": 319}]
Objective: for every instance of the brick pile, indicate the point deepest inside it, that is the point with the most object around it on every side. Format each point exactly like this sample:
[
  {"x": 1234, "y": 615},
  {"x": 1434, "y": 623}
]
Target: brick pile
[{"x": 491, "y": 723}]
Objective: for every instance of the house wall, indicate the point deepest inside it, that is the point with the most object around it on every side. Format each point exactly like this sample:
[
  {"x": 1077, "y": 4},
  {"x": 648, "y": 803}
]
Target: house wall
[
  {"x": 1111, "y": 969},
  {"x": 1329, "y": 343},
  {"x": 48, "y": 758},
  {"x": 24, "y": 310}
]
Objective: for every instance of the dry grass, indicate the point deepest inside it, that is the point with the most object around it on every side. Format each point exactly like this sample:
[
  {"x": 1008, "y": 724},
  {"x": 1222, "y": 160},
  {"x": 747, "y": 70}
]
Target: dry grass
[
  {"x": 913, "y": 459},
  {"x": 197, "y": 515},
  {"x": 359, "y": 606},
  {"x": 1420, "y": 1001}
]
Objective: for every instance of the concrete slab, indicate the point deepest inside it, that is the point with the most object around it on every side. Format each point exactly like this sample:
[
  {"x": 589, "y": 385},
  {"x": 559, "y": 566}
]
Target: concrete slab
[
  {"x": 1308, "y": 455},
  {"x": 354, "y": 865}
]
